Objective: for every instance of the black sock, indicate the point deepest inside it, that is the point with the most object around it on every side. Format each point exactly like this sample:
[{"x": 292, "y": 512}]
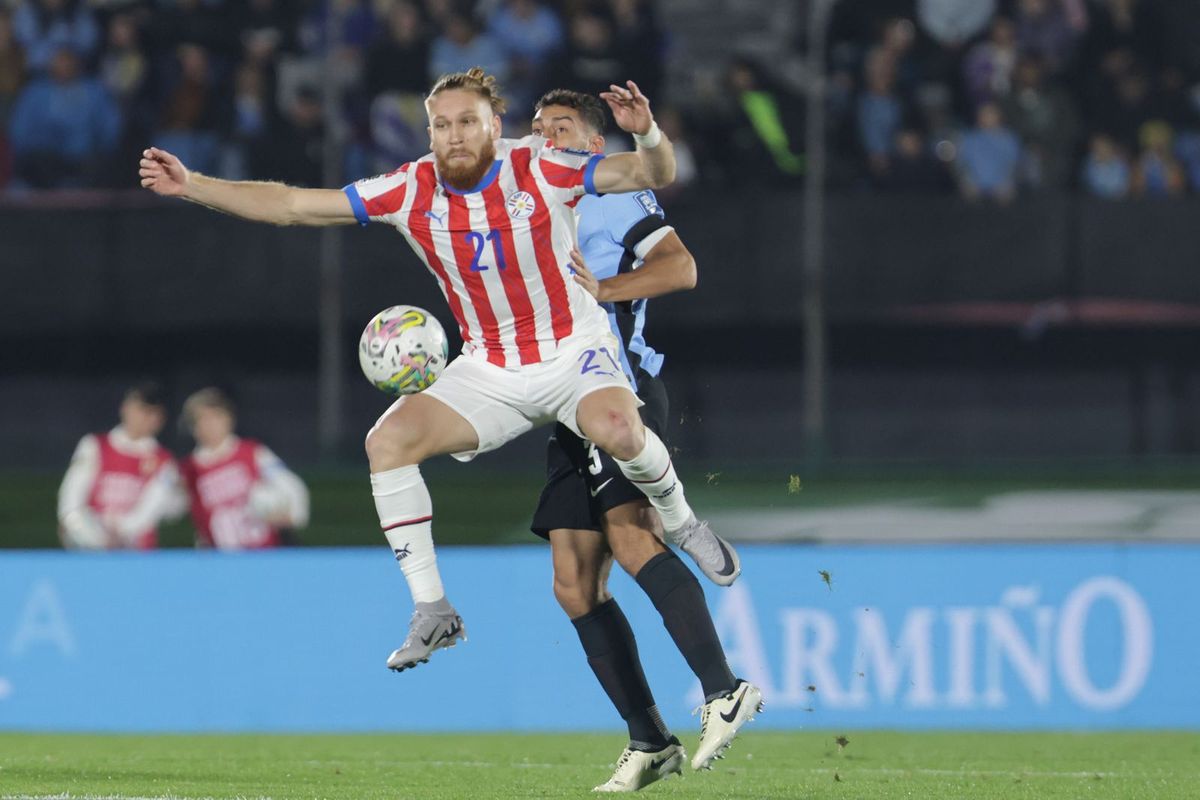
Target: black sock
[
  {"x": 677, "y": 595},
  {"x": 612, "y": 654}
]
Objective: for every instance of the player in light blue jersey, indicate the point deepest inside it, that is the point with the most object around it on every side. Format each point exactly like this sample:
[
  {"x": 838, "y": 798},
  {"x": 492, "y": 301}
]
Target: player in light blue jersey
[{"x": 592, "y": 514}]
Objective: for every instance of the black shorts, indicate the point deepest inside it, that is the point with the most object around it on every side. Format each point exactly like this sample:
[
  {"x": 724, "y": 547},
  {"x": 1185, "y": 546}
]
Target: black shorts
[{"x": 582, "y": 481}]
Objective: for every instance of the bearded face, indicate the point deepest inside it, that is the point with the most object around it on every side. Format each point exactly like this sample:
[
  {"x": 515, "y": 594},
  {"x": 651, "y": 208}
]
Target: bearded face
[
  {"x": 462, "y": 130},
  {"x": 463, "y": 169}
]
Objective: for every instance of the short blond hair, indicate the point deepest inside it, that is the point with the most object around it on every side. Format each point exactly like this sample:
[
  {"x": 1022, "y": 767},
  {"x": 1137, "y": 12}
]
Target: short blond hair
[
  {"x": 208, "y": 397},
  {"x": 473, "y": 80}
]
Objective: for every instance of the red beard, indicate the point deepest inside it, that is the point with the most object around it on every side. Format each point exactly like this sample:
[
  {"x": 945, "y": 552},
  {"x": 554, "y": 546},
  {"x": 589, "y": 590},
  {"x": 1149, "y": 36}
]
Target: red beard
[{"x": 463, "y": 176}]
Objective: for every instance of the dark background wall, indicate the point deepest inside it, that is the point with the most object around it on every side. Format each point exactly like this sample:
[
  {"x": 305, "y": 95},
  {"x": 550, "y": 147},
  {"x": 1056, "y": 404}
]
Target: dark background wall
[{"x": 1058, "y": 327}]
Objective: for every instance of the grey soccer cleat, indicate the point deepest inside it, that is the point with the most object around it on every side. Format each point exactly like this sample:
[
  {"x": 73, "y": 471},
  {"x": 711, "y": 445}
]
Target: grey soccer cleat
[
  {"x": 433, "y": 626},
  {"x": 638, "y": 768},
  {"x": 720, "y": 720},
  {"x": 715, "y": 557}
]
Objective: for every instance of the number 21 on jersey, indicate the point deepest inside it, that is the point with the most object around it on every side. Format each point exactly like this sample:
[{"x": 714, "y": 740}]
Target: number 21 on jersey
[{"x": 477, "y": 240}]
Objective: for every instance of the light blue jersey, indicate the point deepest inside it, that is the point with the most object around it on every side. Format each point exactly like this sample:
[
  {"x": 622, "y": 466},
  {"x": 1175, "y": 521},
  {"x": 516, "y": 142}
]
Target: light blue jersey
[{"x": 610, "y": 227}]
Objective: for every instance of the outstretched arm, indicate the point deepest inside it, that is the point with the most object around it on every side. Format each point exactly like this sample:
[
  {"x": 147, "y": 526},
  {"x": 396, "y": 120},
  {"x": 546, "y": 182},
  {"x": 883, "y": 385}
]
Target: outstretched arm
[
  {"x": 276, "y": 203},
  {"x": 652, "y": 165}
]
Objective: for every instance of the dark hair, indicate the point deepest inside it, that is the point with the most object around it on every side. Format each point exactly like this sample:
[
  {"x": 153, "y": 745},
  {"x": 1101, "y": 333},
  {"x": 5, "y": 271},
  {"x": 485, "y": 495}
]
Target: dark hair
[
  {"x": 473, "y": 80},
  {"x": 148, "y": 392},
  {"x": 590, "y": 109}
]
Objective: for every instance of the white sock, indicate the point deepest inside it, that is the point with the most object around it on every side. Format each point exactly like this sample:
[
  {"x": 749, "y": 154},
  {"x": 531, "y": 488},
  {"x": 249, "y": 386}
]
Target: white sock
[
  {"x": 652, "y": 471},
  {"x": 406, "y": 514}
]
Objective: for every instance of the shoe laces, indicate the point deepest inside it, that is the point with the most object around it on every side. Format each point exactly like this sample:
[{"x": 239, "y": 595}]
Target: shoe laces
[
  {"x": 705, "y": 711},
  {"x": 699, "y": 540}
]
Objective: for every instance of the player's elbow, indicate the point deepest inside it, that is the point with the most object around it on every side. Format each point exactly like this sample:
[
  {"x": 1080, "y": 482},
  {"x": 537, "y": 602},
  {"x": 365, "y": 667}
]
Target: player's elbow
[
  {"x": 685, "y": 272},
  {"x": 662, "y": 178}
]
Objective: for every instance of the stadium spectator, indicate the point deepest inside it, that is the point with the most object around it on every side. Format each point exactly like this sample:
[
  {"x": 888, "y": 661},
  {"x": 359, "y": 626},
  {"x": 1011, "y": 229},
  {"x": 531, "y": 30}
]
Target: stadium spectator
[
  {"x": 880, "y": 112},
  {"x": 12, "y": 67},
  {"x": 1106, "y": 171},
  {"x": 592, "y": 55},
  {"x": 242, "y": 495},
  {"x": 988, "y": 156},
  {"x": 123, "y": 65},
  {"x": 1044, "y": 118},
  {"x": 530, "y": 34},
  {"x": 399, "y": 60},
  {"x": 641, "y": 40},
  {"x": 760, "y": 139},
  {"x": 189, "y": 22},
  {"x": 123, "y": 483},
  {"x": 528, "y": 31},
  {"x": 1132, "y": 25},
  {"x": 193, "y": 110},
  {"x": 1049, "y": 30},
  {"x": 44, "y": 27},
  {"x": 353, "y": 30},
  {"x": 912, "y": 167},
  {"x": 989, "y": 65},
  {"x": 686, "y": 173},
  {"x": 1157, "y": 173},
  {"x": 62, "y": 126},
  {"x": 293, "y": 154},
  {"x": 1187, "y": 149},
  {"x": 1130, "y": 107},
  {"x": 251, "y": 149},
  {"x": 463, "y": 45}
]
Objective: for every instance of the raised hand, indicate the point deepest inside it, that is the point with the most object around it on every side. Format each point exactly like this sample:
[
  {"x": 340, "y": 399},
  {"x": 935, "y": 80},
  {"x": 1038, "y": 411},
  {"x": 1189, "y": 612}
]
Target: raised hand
[
  {"x": 630, "y": 108},
  {"x": 163, "y": 173}
]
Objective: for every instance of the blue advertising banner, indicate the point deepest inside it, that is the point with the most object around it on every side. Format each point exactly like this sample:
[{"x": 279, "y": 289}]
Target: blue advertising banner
[{"x": 965, "y": 636}]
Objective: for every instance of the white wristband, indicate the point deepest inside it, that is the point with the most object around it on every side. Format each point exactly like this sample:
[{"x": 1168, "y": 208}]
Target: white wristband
[{"x": 650, "y": 139}]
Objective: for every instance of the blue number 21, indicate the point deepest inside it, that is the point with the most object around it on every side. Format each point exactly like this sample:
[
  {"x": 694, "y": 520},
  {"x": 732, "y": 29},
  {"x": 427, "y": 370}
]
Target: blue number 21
[{"x": 476, "y": 240}]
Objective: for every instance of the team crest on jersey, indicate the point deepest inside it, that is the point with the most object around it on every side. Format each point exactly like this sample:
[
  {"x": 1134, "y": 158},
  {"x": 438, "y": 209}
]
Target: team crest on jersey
[
  {"x": 649, "y": 204},
  {"x": 520, "y": 205}
]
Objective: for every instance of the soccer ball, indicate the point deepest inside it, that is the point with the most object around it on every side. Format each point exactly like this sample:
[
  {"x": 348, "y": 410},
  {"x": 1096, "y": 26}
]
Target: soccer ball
[{"x": 403, "y": 350}]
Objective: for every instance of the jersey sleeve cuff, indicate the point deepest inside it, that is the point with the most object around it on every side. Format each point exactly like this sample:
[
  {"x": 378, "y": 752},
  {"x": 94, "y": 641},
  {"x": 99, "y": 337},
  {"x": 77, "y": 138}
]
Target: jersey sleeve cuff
[
  {"x": 356, "y": 203},
  {"x": 589, "y": 174}
]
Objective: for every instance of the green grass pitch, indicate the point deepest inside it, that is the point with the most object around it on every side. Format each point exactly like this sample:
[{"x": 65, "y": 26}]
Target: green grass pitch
[{"x": 762, "y": 764}]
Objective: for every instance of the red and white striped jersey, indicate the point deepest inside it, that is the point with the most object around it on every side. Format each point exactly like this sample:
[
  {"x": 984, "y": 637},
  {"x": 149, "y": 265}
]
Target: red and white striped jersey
[{"x": 501, "y": 251}]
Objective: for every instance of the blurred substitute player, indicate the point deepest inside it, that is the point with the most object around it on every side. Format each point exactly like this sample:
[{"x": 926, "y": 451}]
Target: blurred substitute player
[
  {"x": 243, "y": 497},
  {"x": 591, "y": 513},
  {"x": 493, "y": 220},
  {"x": 121, "y": 484}
]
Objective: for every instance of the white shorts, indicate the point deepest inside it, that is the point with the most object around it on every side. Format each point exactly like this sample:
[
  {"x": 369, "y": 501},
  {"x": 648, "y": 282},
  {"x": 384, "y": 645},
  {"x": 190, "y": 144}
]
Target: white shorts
[{"x": 501, "y": 404}]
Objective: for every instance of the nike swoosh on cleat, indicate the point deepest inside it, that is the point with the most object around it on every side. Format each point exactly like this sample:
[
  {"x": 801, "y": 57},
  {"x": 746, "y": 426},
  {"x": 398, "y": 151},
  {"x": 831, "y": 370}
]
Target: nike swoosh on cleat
[
  {"x": 600, "y": 488},
  {"x": 655, "y": 765},
  {"x": 426, "y": 640},
  {"x": 732, "y": 715},
  {"x": 728, "y": 568}
]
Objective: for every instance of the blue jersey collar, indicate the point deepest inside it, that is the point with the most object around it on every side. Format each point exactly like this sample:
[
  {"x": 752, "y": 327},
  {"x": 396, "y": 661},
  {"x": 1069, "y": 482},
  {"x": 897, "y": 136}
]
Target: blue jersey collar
[{"x": 484, "y": 182}]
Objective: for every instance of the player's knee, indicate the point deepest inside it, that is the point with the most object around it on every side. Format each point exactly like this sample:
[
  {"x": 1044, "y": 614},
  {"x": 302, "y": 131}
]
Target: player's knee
[
  {"x": 391, "y": 444},
  {"x": 574, "y": 596},
  {"x": 620, "y": 434}
]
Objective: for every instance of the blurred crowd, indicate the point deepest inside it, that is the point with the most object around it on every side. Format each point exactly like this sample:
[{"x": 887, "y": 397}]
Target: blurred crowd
[
  {"x": 236, "y": 88},
  {"x": 988, "y": 98},
  {"x": 992, "y": 98}
]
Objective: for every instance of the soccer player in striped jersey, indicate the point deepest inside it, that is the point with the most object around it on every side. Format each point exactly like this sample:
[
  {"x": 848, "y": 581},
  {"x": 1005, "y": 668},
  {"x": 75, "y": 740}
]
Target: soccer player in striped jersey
[
  {"x": 592, "y": 514},
  {"x": 493, "y": 221}
]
